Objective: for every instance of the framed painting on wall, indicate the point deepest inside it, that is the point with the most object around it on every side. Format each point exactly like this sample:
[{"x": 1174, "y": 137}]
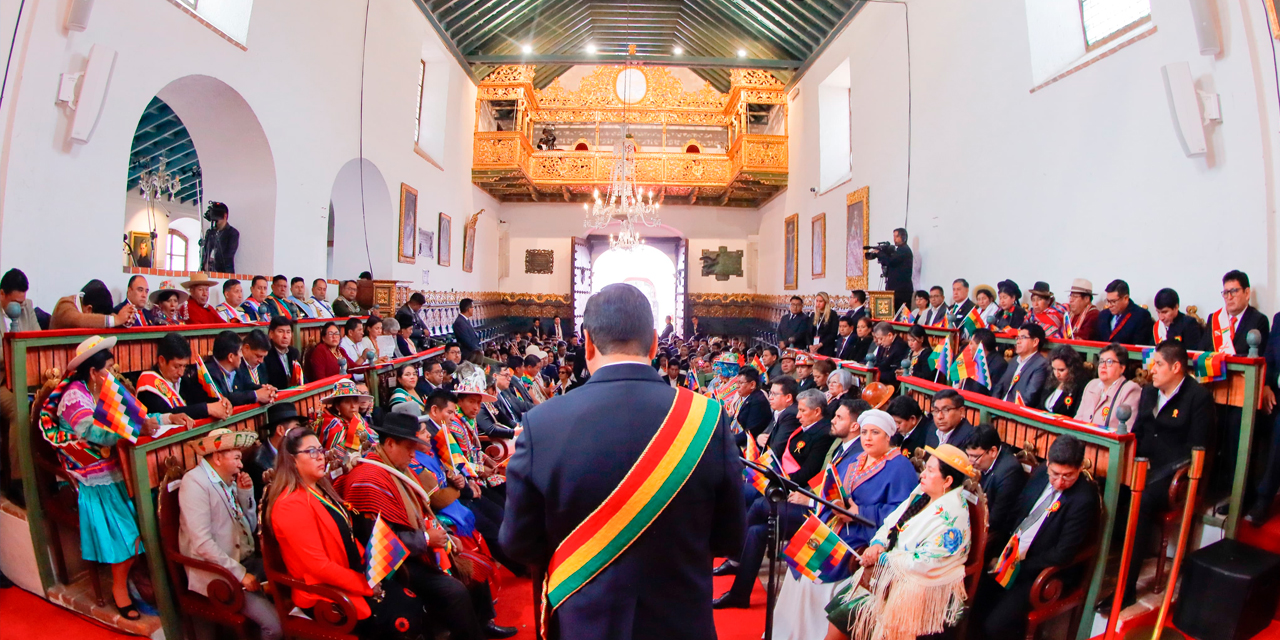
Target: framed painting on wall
[
  {"x": 819, "y": 249},
  {"x": 140, "y": 249},
  {"x": 791, "y": 255},
  {"x": 469, "y": 242},
  {"x": 408, "y": 241},
  {"x": 857, "y": 227},
  {"x": 445, "y": 235}
]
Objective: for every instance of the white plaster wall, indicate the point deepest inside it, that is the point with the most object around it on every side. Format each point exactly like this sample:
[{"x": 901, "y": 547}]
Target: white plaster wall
[
  {"x": 1084, "y": 178},
  {"x": 699, "y": 283},
  {"x": 300, "y": 76},
  {"x": 560, "y": 281}
]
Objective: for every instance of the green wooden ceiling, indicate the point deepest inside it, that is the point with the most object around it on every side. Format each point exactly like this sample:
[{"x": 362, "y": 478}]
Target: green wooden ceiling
[
  {"x": 780, "y": 35},
  {"x": 161, "y": 135}
]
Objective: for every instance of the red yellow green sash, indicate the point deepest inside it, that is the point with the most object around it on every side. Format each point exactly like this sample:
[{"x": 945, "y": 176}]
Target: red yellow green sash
[{"x": 663, "y": 468}]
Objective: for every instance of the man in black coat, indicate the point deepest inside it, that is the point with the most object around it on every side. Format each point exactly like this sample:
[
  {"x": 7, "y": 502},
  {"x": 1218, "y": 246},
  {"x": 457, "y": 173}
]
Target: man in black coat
[
  {"x": 281, "y": 417},
  {"x": 1122, "y": 321},
  {"x": 1175, "y": 413},
  {"x": 804, "y": 456},
  {"x": 1172, "y": 324},
  {"x": 221, "y": 241},
  {"x": 1050, "y": 536},
  {"x": 796, "y": 327},
  {"x": 754, "y": 414},
  {"x": 585, "y": 443},
  {"x": 846, "y": 343},
  {"x": 281, "y": 358},
  {"x": 858, "y": 306},
  {"x": 915, "y": 429},
  {"x": 463, "y": 332},
  {"x": 782, "y": 401},
  {"x": 889, "y": 353},
  {"x": 961, "y": 304},
  {"x": 1002, "y": 481},
  {"x": 898, "y": 263},
  {"x": 672, "y": 376},
  {"x": 1025, "y": 377},
  {"x": 230, "y": 377},
  {"x": 950, "y": 426},
  {"x": 1237, "y": 317}
]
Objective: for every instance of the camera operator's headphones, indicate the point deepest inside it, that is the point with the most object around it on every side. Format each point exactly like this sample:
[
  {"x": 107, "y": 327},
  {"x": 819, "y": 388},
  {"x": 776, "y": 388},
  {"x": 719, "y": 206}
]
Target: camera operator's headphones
[{"x": 215, "y": 211}]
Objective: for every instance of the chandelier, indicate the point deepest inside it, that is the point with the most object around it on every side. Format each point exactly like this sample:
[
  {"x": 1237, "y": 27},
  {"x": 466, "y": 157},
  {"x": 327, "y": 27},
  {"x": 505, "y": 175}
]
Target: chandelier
[
  {"x": 624, "y": 201},
  {"x": 155, "y": 182}
]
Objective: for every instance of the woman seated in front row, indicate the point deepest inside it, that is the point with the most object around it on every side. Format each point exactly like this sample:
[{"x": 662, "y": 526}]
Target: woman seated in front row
[
  {"x": 912, "y": 579},
  {"x": 313, "y": 531},
  {"x": 1110, "y": 390}
]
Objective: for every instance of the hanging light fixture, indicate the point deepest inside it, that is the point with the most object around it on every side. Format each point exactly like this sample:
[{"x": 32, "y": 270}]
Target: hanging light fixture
[{"x": 157, "y": 181}]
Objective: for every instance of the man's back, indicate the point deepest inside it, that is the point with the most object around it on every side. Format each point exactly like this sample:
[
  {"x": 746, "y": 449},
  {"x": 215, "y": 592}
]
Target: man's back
[{"x": 574, "y": 452}]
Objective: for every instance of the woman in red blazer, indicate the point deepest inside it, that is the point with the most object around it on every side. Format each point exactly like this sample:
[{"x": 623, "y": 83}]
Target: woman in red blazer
[
  {"x": 326, "y": 359},
  {"x": 314, "y": 533}
]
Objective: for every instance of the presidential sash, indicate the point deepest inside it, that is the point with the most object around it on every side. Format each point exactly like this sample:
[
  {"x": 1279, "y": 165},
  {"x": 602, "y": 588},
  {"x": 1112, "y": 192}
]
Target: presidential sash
[
  {"x": 153, "y": 382},
  {"x": 231, "y": 314},
  {"x": 1224, "y": 333},
  {"x": 649, "y": 486}
]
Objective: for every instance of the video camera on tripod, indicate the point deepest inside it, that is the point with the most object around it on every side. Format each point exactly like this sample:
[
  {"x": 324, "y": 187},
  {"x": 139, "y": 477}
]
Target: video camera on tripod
[{"x": 874, "y": 251}]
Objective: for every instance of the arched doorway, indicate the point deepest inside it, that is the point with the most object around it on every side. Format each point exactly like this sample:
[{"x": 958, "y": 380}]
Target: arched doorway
[
  {"x": 234, "y": 166},
  {"x": 363, "y": 216},
  {"x": 648, "y": 269}
]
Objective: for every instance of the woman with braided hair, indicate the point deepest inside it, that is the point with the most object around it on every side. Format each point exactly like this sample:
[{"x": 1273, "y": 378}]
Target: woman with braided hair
[{"x": 912, "y": 579}]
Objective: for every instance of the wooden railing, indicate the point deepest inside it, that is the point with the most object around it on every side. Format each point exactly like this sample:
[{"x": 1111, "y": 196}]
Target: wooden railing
[
  {"x": 379, "y": 377},
  {"x": 1109, "y": 455}
]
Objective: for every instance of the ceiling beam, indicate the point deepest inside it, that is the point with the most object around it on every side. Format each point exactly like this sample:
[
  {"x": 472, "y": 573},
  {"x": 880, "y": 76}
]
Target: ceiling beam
[
  {"x": 496, "y": 18},
  {"x": 665, "y": 60},
  {"x": 826, "y": 42},
  {"x": 446, "y": 40},
  {"x": 569, "y": 20}
]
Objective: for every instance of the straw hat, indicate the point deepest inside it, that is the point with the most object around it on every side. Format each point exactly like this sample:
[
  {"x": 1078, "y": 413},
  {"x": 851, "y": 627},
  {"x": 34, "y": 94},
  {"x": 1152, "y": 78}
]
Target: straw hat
[
  {"x": 1082, "y": 287},
  {"x": 345, "y": 389},
  {"x": 169, "y": 285},
  {"x": 985, "y": 288},
  {"x": 197, "y": 279},
  {"x": 954, "y": 457},
  {"x": 473, "y": 385},
  {"x": 224, "y": 440},
  {"x": 90, "y": 346}
]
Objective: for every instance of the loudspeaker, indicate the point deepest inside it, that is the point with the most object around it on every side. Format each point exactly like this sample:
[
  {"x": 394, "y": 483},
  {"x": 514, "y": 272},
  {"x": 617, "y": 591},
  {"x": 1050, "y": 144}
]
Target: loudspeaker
[
  {"x": 1205, "y": 15},
  {"x": 93, "y": 89},
  {"x": 1184, "y": 104},
  {"x": 1236, "y": 586},
  {"x": 78, "y": 15}
]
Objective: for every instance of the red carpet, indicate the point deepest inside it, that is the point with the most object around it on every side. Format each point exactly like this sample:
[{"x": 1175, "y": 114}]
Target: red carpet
[{"x": 24, "y": 616}]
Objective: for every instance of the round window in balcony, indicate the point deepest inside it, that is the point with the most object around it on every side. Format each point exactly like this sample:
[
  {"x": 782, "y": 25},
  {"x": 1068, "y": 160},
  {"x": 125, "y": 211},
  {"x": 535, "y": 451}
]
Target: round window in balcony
[{"x": 631, "y": 86}]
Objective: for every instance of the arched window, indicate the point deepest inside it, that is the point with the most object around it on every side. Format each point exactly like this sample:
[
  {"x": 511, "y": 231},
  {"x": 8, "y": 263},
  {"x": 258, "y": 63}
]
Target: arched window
[{"x": 177, "y": 254}]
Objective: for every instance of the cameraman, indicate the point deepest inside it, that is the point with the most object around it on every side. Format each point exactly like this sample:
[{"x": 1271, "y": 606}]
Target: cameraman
[
  {"x": 218, "y": 249},
  {"x": 897, "y": 262}
]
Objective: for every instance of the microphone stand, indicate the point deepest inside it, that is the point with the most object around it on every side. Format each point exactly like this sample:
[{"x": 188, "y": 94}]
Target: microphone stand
[{"x": 779, "y": 487}]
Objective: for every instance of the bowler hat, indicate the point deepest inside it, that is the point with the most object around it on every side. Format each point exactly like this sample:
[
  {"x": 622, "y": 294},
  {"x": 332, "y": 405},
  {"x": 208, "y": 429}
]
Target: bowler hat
[
  {"x": 399, "y": 425},
  {"x": 282, "y": 411}
]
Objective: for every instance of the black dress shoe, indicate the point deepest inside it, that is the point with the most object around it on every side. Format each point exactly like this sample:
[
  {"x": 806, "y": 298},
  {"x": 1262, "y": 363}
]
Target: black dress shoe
[
  {"x": 729, "y": 601},
  {"x": 492, "y": 630},
  {"x": 1259, "y": 514},
  {"x": 726, "y": 568}
]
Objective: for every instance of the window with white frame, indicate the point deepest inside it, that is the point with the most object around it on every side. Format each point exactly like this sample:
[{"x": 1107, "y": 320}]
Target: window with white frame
[
  {"x": 177, "y": 253},
  {"x": 1066, "y": 34},
  {"x": 417, "y": 112},
  {"x": 1102, "y": 19},
  {"x": 835, "y": 141},
  {"x": 433, "y": 100}
]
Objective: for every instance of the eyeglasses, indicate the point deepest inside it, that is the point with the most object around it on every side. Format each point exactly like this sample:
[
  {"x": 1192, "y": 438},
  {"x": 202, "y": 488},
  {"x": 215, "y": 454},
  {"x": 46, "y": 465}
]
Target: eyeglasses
[
  {"x": 937, "y": 411},
  {"x": 315, "y": 453},
  {"x": 1108, "y": 362},
  {"x": 1072, "y": 475},
  {"x": 1227, "y": 293}
]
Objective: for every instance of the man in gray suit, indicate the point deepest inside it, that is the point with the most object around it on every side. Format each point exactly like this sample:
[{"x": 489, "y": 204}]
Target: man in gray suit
[
  {"x": 1025, "y": 378},
  {"x": 219, "y": 516}
]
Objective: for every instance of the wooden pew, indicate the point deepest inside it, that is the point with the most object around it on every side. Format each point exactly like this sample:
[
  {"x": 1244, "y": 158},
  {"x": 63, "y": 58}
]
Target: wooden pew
[
  {"x": 380, "y": 377},
  {"x": 1242, "y": 388},
  {"x": 144, "y": 468},
  {"x": 1110, "y": 455}
]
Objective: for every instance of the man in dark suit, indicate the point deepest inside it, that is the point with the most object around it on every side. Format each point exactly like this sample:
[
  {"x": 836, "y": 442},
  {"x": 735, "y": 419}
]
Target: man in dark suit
[
  {"x": 281, "y": 358},
  {"x": 795, "y": 328},
  {"x": 914, "y": 428},
  {"x": 1235, "y": 319},
  {"x": 1048, "y": 536},
  {"x": 898, "y": 264},
  {"x": 858, "y": 306},
  {"x": 412, "y": 311},
  {"x": 888, "y": 352},
  {"x": 463, "y": 332},
  {"x": 802, "y": 459},
  {"x": 587, "y": 442},
  {"x": 950, "y": 426},
  {"x": 1026, "y": 375},
  {"x": 1122, "y": 321},
  {"x": 254, "y": 348},
  {"x": 230, "y": 377},
  {"x": 961, "y": 305},
  {"x": 672, "y": 376},
  {"x": 669, "y": 329},
  {"x": 782, "y": 400},
  {"x": 491, "y": 421},
  {"x": 1260, "y": 512},
  {"x": 1002, "y": 482},
  {"x": 281, "y": 417},
  {"x": 846, "y": 342},
  {"x": 773, "y": 365},
  {"x": 1175, "y": 413},
  {"x": 754, "y": 414},
  {"x": 1171, "y": 323}
]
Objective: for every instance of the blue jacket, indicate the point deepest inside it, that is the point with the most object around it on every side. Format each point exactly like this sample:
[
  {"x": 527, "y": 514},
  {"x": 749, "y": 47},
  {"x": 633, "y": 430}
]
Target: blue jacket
[{"x": 574, "y": 452}]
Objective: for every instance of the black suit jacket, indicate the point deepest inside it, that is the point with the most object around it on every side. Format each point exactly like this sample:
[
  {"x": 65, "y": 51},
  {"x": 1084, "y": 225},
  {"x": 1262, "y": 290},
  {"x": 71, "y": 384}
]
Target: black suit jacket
[
  {"x": 1272, "y": 354},
  {"x": 958, "y": 437},
  {"x": 1031, "y": 382},
  {"x": 959, "y": 311},
  {"x": 1064, "y": 532},
  {"x": 1185, "y": 421},
  {"x": 466, "y": 336},
  {"x": 256, "y": 463},
  {"x": 1250, "y": 319},
  {"x": 574, "y": 452},
  {"x": 681, "y": 380},
  {"x": 1186, "y": 329},
  {"x": 854, "y": 314},
  {"x": 898, "y": 267},
  {"x": 794, "y": 330},
  {"x": 918, "y": 437},
  {"x": 1066, "y": 404},
  {"x": 826, "y": 334},
  {"x": 846, "y": 348},
  {"x": 278, "y": 374},
  {"x": 755, "y": 415},
  {"x": 805, "y": 383},
  {"x": 242, "y": 392},
  {"x": 1135, "y": 330},
  {"x": 1002, "y": 484},
  {"x": 809, "y": 448},
  {"x": 889, "y": 360},
  {"x": 780, "y": 430},
  {"x": 490, "y": 423}
]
